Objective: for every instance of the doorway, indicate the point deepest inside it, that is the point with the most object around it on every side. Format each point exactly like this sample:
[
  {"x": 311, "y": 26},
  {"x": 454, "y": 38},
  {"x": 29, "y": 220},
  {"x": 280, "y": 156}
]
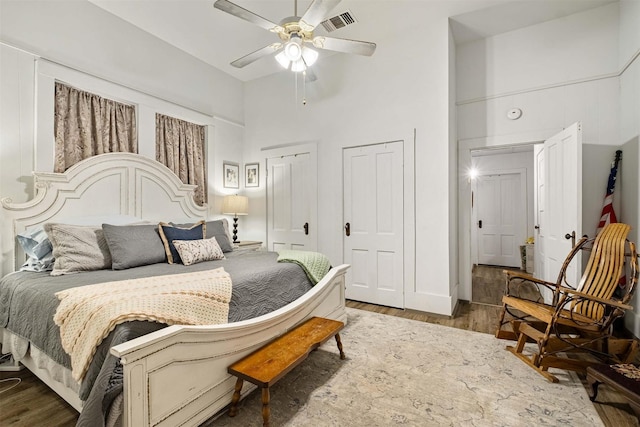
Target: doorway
[{"x": 501, "y": 214}]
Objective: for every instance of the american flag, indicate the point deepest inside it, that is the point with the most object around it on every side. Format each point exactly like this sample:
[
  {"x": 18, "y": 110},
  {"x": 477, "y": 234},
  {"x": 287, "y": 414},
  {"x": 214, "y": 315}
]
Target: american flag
[{"x": 608, "y": 214}]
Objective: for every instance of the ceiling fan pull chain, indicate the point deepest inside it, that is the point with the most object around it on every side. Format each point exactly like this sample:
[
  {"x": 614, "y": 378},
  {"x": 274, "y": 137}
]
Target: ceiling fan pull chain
[{"x": 304, "y": 87}]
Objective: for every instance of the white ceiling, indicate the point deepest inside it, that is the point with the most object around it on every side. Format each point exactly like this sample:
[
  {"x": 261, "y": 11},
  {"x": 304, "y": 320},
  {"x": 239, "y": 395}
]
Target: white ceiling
[{"x": 218, "y": 38}]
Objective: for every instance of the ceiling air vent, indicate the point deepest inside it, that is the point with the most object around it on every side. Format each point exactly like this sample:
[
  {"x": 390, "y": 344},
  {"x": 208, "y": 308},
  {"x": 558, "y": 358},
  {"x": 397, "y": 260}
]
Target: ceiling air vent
[{"x": 338, "y": 21}]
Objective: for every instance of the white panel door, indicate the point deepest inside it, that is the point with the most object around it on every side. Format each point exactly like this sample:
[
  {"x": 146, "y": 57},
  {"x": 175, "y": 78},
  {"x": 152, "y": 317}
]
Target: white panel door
[
  {"x": 563, "y": 201},
  {"x": 373, "y": 218},
  {"x": 501, "y": 215},
  {"x": 539, "y": 209},
  {"x": 292, "y": 203}
]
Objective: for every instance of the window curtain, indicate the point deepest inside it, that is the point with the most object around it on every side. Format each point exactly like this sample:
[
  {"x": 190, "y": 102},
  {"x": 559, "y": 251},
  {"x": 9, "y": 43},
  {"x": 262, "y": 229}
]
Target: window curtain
[
  {"x": 87, "y": 124},
  {"x": 180, "y": 147}
]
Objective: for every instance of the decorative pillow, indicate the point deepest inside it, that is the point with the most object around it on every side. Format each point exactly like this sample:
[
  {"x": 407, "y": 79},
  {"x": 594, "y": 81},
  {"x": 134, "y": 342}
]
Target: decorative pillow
[
  {"x": 195, "y": 251},
  {"x": 77, "y": 248},
  {"x": 35, "y": 242},
  {"x": 134, "y": 245},
  {"x": 169, "y": 233},
  {"x": 38, "y": 265},
  {"x": 218, "y": 230},
  {"x": 36, "y": 245}
]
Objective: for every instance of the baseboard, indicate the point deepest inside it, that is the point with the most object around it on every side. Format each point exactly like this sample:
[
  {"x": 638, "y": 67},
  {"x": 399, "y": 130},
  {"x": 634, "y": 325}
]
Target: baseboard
[{"x": 430, "y": 303}]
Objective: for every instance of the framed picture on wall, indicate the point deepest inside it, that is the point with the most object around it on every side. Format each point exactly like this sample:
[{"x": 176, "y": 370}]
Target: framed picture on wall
[
  {"x": 231, "y": 175},
  {"x": 252, "y": 175}
]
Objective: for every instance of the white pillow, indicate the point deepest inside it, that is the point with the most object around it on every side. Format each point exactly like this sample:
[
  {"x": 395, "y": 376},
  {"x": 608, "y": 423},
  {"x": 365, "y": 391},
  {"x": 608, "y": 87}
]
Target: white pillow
[{"x": 195, "y": 251}]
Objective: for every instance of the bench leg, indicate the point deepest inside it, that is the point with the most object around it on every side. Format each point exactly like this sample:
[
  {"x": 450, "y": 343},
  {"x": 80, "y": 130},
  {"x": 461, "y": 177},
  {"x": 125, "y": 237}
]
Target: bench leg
[
  {"x": 233, "y": 411},
  {"x": 266, "y": 412},
  {"x": 342, "y": 356}
]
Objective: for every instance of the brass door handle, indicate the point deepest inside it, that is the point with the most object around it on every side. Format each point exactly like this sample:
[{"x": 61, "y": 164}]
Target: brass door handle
[{"x": 347, "y": 229}]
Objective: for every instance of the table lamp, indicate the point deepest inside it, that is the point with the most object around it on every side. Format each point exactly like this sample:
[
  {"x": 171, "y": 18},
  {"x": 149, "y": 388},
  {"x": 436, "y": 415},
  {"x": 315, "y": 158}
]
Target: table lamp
[{"x": 235, "y": 205}]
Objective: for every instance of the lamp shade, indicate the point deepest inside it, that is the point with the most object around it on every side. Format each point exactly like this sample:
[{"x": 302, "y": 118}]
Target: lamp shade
[{"x": 235, "y": 205}]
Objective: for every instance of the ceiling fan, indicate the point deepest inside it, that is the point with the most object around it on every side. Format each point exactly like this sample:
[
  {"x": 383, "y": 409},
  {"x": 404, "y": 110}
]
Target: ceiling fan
[{"x": 296, "y": 34}]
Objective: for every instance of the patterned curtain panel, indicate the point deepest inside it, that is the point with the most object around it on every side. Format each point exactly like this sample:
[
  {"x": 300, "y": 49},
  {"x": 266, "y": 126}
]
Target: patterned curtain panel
[
  {"x": 180, "y": 147},
  {"x": 87, "y": 124}
]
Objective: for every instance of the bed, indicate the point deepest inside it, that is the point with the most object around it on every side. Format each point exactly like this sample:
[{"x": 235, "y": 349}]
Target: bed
[{"x": 136, "y": 365}]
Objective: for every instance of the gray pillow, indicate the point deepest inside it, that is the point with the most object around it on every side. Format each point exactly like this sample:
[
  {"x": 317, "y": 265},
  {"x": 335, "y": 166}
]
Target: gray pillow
[
  {"x": 217, "y": 229},
  {"x": 134, "y": 245},
  {"x": 77, "y": 248}
]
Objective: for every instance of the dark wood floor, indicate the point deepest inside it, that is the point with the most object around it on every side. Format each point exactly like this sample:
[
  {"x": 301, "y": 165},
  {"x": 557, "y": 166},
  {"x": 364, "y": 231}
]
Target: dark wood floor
[
  {"x": 31, "y": 403},
  {"x": 488, "y": 284}
]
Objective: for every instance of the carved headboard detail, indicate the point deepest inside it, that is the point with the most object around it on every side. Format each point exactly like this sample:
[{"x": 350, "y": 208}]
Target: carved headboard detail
[{"x": 102, "y": 185}]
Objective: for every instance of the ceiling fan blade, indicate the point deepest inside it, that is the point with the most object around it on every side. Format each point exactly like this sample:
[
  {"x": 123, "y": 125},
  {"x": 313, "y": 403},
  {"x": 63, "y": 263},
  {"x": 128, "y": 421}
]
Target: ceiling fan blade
[
  {"x": 254, "y": 56},
  {"x": 242, "y": 13},
  {"x": 344, "y": 45},
  {"x": 316, "y": 13}
]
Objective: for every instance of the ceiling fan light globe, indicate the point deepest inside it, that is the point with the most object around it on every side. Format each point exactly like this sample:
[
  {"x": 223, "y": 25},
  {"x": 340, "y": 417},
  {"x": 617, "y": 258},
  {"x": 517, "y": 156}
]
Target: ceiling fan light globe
[
  {"x": 293, "y": 49},
  {"x": 309, "y": 55},
  {"x": 283, "y": 60},
  {"x": 298, "y": 66}
]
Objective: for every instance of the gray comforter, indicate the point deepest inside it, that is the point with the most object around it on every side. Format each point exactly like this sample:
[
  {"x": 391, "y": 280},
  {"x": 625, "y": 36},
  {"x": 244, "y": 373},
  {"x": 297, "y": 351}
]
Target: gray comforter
[{"x": 28, "y": 303}]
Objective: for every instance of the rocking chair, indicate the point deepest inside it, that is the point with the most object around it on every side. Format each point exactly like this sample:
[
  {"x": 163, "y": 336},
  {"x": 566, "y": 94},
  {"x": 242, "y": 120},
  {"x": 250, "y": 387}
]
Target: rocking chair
[{"x": 579, "y": 319}]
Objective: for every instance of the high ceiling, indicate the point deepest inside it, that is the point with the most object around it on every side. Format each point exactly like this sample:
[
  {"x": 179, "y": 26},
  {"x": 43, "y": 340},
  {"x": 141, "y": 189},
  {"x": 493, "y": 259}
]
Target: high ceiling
[{"x": 217, "y": 38}]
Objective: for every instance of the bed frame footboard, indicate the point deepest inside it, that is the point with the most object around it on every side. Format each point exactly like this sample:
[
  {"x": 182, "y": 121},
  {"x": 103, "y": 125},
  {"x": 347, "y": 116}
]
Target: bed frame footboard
[{"x": 178, "y": 376}]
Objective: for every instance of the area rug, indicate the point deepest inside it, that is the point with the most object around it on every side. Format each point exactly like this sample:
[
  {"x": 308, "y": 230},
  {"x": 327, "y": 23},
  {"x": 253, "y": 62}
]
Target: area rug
[{"x": 405, "y": 372}]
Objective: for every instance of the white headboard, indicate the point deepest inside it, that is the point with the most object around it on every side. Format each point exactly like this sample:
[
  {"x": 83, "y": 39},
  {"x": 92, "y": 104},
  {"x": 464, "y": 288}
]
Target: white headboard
[{"x": 106, "y": 184}]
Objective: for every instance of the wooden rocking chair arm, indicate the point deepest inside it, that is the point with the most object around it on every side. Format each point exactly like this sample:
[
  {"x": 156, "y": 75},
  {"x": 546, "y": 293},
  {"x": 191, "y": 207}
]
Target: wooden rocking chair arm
[
  {"x": 529, "y": 278},
  {"x": 609, "y": 302}
]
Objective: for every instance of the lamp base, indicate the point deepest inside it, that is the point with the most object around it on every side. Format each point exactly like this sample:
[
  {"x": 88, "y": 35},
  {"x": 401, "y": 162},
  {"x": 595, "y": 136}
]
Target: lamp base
[{"x": 235, "y": 230}]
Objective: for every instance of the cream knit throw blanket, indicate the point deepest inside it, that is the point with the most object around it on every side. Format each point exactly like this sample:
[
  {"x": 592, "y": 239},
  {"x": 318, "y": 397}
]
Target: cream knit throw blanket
[{"x": 87, "y": 314}]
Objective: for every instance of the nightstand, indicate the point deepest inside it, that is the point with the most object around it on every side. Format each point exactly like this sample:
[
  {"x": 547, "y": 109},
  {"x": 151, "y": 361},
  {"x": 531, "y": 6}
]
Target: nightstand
[{"x": 247, "y": 246}]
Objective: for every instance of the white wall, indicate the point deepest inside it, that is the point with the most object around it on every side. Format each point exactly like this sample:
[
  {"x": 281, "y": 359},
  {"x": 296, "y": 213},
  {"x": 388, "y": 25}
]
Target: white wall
[
  {"x": 630, "y": 132},
  {"x": 404, "y": 86},
  {"x": 81, "y": 35},
  {"x": 114, "y": 59},
  {"x": 573, "y": 48},
  {"x": 17, "y": 123},
  {"x": 557, "y": 72}
]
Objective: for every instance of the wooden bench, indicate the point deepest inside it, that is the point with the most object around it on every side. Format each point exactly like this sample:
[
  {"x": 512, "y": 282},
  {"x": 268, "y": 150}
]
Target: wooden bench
[{"x": 265, "y": 366}]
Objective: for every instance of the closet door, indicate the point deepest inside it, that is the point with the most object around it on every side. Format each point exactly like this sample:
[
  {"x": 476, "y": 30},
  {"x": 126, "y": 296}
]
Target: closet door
[
  {"x": 292, "y": 202},
  {"x": 374, "y": 225}
]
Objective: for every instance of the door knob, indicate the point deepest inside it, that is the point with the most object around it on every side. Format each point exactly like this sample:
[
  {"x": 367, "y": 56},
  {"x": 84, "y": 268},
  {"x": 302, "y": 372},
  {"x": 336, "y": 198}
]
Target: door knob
[
  {"x": 306, "y": 228},
  {"x": 571, "y": 236},
  {"x": 347, "y": 229}
]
